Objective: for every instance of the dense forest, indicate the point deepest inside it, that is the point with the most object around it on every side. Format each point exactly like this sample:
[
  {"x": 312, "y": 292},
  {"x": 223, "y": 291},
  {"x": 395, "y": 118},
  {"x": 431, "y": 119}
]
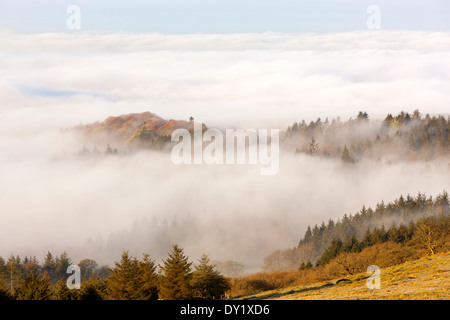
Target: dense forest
[{"x": 392, "y": 220}]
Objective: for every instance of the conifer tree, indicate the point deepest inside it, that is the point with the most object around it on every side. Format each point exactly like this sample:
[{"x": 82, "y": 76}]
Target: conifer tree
[
  {"x": 331, "y": 252},
  {"x": 313, "y": 147},
  {"x": 14, "y": 272},
  {"x": 305, "y": 266},
  {"x": 393, "y": 234},
  {"x": 148, "y": 279},
  {"x": 3, "y": 273},
  {"x": 5, "y": 294},
  {"x": 351, "y": 245},
  {"x": 49, "y": 265},
  {"x": 176, "y": 276},
  {"x": 61, "y": 264},
  {"x": 207, "y": 283},
  {"x": 307, "y": 237},
  {"x": 34, "y": 286},
  {"x": 93, "y": 289},
  {"x": 62, "y": 292},
  {"x": 124, "y": 282},
  {"x": 346, "y": 157}
]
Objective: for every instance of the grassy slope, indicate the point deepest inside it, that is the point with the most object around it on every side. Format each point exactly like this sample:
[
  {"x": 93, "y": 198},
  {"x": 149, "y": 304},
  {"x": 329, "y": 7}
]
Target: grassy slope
[{"x": 426, "y": 278}]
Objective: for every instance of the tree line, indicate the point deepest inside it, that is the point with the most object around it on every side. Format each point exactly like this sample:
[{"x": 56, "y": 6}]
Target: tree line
[
  {"x": 130, "y": 279},
  {"x": 430, "y": 233},
  {"x": 397, "y": 217},
  {"x": 404, "y": 136}
]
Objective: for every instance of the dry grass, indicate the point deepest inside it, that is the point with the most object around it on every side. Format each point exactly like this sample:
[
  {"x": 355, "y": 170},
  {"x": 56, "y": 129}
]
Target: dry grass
[
  {"x": 425, "y": 278},
  {"x": 383, "y": 255}
]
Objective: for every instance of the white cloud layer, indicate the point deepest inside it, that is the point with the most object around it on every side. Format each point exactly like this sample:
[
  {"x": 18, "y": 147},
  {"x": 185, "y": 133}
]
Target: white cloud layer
[{"x": 270, "y": 78}]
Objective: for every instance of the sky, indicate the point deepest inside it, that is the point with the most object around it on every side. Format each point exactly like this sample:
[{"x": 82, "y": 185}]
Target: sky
[{"x": 213, "y": 16}]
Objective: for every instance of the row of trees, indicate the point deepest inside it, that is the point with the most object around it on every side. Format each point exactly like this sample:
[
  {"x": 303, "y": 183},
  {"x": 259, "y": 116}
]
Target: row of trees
[
  {"x": 401, "y": 212},
  {"x": 129, "y": 279},
  {"x": 401, "y": 234},
  {"x": 424, "y": 237},
  {"x": 403, "y": 137}
]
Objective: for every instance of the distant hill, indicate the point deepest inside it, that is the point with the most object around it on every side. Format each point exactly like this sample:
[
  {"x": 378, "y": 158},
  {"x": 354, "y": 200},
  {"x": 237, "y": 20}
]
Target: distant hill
[{"x": 135, "y": 129}]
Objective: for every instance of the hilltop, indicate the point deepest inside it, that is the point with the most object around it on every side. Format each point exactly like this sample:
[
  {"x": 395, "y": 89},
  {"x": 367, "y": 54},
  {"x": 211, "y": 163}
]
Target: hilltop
[{"x": 144, "y": 130}]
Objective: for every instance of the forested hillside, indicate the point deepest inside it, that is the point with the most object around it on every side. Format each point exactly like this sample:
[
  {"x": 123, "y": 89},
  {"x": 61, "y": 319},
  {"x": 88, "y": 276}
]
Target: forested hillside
[
  {"x": 393, "y": 220},
  {"x": 400, "y": 137}
]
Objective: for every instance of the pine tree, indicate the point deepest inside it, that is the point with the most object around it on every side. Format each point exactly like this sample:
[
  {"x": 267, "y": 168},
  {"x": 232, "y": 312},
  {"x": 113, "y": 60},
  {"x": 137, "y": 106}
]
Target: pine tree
[
  {"x": 62, "y": 292},
  {"x": 351, "y": 245},
  {"x": 393, "y": 234},
  {"x": 3, "y": 270},
  {"x": 61, "y": 264},
  {"x": 93, "y": 289},
  {"x": 5, "y": 295},
  {"x": 307, "y": 237},
  {"x": 379, "y": 235},
  {"x": 403, "y": 233},
  {"x": 305, "y": 266},
  {"x": 34, "y": 286},
  {"x": 49, "y": 267},
  {"x": 313, "y": 147},
  {"x": 346, "y": 157},
  {"x": 362, "y": 116},
  {"x": 334, "y": 249},
  {"x": 207, "y": 283},
  {"x": 176, "y": 277},
  {"x": 14, "y": 272},
  {"x": 149, "y": 279},
  {"x": 124, "y": 282},
  {"x": 315, "y": 232}
]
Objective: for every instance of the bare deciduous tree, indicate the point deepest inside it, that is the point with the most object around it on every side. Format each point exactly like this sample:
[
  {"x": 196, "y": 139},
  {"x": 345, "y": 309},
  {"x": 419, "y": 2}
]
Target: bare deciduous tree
[{"x": 427, "y": 237}]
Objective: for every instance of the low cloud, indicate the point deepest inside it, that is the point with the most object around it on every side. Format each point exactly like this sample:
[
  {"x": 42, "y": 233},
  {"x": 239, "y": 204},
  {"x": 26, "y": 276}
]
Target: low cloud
[
  {"x": 254, "y": 79},
  {"x": 51, "y": 198}
]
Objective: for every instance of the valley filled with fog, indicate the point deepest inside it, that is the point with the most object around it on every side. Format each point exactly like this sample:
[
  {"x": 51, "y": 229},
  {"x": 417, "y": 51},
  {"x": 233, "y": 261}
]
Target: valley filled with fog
[{"x": 53, "y": 199}]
